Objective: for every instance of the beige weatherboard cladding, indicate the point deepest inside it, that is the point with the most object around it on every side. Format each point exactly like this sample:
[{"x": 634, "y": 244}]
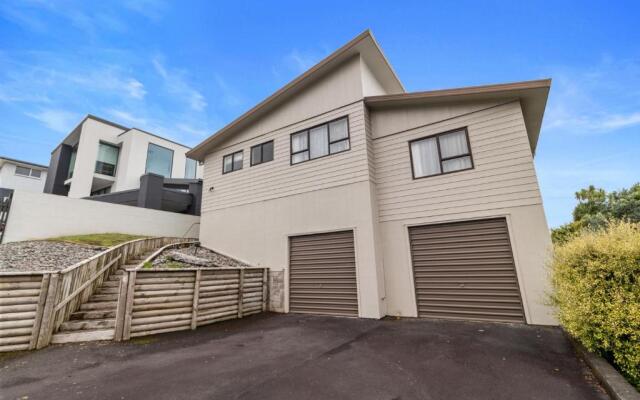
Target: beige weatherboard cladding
[{"x": 369, "y": 189}]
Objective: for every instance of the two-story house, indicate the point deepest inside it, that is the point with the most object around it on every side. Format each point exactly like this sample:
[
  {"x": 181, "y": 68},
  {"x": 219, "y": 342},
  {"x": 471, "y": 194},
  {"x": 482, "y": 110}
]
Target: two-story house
[
  {"x": 99, "y": 156},
  {"x": 365, "y": 200}
]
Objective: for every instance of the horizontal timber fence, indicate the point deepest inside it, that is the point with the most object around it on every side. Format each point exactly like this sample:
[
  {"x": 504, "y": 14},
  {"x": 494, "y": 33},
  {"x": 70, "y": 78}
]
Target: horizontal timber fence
[
  {"x": 159, "y": 301},
  {"x": 33, "y": 305}
]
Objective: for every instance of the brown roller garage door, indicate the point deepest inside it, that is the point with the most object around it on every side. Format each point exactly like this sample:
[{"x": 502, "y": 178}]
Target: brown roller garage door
[
  {"x": 322, "y": 274},
  {"x": 465, "y": 270}
]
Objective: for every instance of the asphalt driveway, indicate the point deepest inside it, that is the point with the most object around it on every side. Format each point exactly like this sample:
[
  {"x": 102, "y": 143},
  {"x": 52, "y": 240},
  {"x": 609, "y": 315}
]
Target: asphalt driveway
[{"x": 272, "y": 356}]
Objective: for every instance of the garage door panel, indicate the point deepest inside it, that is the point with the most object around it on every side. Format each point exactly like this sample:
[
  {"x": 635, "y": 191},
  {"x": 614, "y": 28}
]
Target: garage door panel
[
  {"x": 322, "y": 274},
  {"x": 465, "y": 271}
]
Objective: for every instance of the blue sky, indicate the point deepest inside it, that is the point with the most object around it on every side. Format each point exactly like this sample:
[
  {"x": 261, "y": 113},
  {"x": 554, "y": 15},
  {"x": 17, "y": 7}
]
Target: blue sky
[{"x": 185, "y": 69}]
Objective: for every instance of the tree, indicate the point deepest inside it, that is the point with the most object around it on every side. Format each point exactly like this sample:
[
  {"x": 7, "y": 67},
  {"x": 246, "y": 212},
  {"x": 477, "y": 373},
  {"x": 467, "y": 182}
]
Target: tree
[{"x": 596, "y": 208}]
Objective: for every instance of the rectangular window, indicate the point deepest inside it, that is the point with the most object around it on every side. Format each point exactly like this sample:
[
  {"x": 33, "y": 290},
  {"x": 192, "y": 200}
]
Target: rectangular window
[
  {"x": 107, "y": 159},
  {"x": 36, "y": 173},
  {"x": 262, "y": 153},
  {"x": 190, "y": 169},
  {"x": 320, "y": 141},
  {"x": 441, "y": 154},
  {"x": 72, "y": 163},
  {"x": 159, "y": 160},
  {"x": 23, "y": 171},
  {"x": 232, "y": 162}
]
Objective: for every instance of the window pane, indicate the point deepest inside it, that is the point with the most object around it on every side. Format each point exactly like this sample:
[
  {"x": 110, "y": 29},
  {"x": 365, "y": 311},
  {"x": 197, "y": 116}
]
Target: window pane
[
  {"x": 72, "y": 163},
  {"x": 319, "y": 139},
  {"x": 22, "y": 171},
  {"x": 456, "y": 164},
  {"x": 299, "y": 142},
  {"x": 237, "y": 160},
  {"x": 36, "y": 173},
  {"x": 267, "y": 151},
  {"x": 338, "y": 130},
  {"x": 339, "y": 146},
  {"x": 425, "y": 157},
  {"x": 256, "y": 155},
  {"x": 107, "y": 159},
  {"x": 453, "y": 144},
  {"x": 296, "y": 158},
  {"x": 159, "y": 160},
  {"x": 227, "y": 164},
  {"x": 190, "y": 169}
]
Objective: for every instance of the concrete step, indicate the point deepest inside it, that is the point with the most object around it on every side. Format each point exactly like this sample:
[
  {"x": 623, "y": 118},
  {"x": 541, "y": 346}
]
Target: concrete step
[
  {"x": 98, "y": 314},
  {"x": 99, "y": 306},
  {"x": 90, "y": 324},
  {"x": 103, "y": 297},
  {"x": 82, "y": 336}
]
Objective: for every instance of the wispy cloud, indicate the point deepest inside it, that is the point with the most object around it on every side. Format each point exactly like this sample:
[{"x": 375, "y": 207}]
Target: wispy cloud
[
  {"x": 127, "y": 118},
  {"x": 301, "y": 61},
  {"x": 88, "y": 17},
  {"x": 176, "y": 83},
  {"x": 56, "y": 119},
  {"x": 595, "y": 100}
]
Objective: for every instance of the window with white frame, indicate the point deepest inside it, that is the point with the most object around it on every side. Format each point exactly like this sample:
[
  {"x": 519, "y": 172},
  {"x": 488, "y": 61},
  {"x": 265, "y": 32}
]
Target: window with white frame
[
  {"x": 320, "y": 141},
  {"x": 441, "y": 154}
]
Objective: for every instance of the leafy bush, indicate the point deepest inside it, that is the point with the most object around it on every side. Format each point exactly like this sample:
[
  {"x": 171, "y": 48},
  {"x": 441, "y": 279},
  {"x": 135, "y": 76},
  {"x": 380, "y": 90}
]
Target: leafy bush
[
  {"x": 596, "y": 208},
  {"x": 596, "y": 281}
]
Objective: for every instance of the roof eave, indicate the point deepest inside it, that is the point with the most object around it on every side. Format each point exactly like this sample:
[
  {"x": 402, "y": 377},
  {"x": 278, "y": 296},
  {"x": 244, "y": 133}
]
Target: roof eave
[{"x": 532, "y": 95}]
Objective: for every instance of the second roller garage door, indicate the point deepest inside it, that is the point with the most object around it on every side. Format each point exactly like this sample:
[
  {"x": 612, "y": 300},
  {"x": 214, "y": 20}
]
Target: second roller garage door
[
  {"x": 465, "y": 270},
  {"x": 322, "y": 274}
]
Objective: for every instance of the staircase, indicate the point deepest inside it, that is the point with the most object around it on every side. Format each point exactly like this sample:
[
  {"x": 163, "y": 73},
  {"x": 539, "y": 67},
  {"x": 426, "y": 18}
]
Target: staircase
[{"x": 96, "y": 319}]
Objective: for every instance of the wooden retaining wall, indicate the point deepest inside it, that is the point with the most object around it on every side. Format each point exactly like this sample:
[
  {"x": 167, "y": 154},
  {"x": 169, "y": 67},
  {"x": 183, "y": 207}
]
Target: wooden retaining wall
[
  {"x": 22, "y": 300},
  {"x": 161, "y": 301},
  {"x": 33, "y": 305}
]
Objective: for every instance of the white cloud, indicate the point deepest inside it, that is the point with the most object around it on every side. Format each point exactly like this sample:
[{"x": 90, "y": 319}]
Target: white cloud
[
  {"x": 176, "y": 84},
  {"x": 56, "y": 120},
  {"x": 127, "y": 117},
  {"x": 135, "y": 89},
  {"x": 596, "y": 100},
  {"x": 152, "y": 9}
]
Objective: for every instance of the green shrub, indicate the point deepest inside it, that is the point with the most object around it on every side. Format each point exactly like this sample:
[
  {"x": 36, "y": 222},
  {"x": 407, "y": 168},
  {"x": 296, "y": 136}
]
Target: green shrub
[{"x": 596, "y": 281}]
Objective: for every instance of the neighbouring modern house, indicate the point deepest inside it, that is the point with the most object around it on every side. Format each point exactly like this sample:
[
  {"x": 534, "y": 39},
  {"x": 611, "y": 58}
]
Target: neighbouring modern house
[
  {"x": 105, "y": 161},
  {"x": 366, "y": 200},
  {"x": 21, "y": 175}
]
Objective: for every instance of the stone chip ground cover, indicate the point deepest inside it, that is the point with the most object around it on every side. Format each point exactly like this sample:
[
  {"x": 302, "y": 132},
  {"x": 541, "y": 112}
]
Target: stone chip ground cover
[{"x": 43, "y": 255}]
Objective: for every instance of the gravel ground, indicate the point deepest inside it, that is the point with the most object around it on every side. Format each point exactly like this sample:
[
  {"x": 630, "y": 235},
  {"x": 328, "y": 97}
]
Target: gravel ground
[
  {"x": 42, "y": 255},
  {"x": 217, "y": 259}
]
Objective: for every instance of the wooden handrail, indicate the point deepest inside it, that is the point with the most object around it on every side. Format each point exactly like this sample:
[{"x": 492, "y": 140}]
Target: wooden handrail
[
  {"x": 87, "y": 283},
  {"x": 161, "y": 249},
  {"x": 110, "y": 249}
]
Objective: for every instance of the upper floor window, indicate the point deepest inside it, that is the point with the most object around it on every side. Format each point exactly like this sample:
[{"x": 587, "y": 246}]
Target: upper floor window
[
  {"x": 262, "y": 153},
  {"x": 320, "y": 141},
  {"x": 232, "y": 162},
  {"x": 190, "y": 169},
  {"x": 24, "y": 171},
  {"x": 72, "y": 162},
  {"x": 441, "y": 154},
  {"x": 107, "y": 159},
  {"x": 159, "y": 160}
]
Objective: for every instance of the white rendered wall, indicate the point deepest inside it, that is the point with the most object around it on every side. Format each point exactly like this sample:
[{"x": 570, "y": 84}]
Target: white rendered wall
[
  {"x": 41, "y": 216},
  {"x": 9, "y": 179}
]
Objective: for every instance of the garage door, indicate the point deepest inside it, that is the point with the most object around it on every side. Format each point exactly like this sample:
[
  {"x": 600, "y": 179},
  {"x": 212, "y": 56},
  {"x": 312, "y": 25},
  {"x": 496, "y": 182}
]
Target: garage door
[
  {"x": 465, "y": 270},
  {"x": 322, "y": 274}
]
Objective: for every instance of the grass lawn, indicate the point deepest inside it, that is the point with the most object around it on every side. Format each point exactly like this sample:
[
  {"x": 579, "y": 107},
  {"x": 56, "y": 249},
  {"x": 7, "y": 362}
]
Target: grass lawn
[{"x": 98, "y": 239}]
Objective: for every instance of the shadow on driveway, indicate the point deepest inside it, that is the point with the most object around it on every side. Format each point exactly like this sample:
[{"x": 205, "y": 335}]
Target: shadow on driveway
[{"x": 275, "y": 356}]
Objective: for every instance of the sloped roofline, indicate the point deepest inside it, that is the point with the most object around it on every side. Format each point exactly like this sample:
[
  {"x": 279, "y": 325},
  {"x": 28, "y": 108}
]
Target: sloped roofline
[
  {"x": 22, "y": 162},
  {"x": 531, "y": 94},
  {"x": 201, "y": 149}
]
